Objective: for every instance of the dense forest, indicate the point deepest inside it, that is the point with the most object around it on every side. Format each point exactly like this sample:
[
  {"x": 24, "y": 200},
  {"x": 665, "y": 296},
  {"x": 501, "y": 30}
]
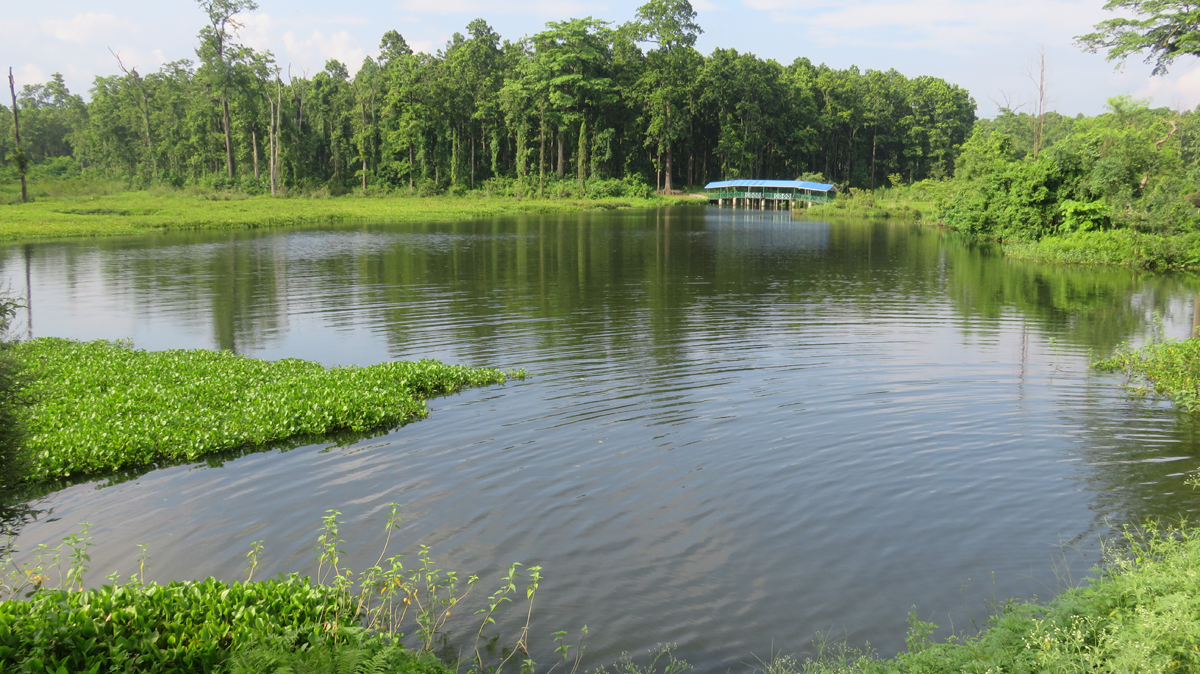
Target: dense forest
[{"x": 579, "y": 107}]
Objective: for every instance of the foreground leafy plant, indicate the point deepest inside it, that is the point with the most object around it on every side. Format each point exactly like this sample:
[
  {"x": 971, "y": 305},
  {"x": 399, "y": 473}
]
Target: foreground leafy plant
[
  {"x": 181, "y": 626},
  {"x": 339, "y": 620},
  {"x": 101, "y": 406}
]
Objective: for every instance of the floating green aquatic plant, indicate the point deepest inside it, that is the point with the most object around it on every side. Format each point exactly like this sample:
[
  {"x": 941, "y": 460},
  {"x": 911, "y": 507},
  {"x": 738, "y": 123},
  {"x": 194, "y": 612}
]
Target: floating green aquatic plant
[{"x": 100, "y": 406}]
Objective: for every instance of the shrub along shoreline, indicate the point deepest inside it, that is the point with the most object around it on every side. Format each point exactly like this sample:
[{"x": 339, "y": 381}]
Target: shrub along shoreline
[
  {"x": 102, "y": 406},
  {"x": 921, "y": 204},
  {"x": 1139, "y": 613}
]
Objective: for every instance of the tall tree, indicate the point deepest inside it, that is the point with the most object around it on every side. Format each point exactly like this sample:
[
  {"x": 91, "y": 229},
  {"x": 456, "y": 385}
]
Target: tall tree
[
  {"x": 671, "y": 71},
  {"x": 219, "y": 53},
  {"x": 573, "y": 61}
]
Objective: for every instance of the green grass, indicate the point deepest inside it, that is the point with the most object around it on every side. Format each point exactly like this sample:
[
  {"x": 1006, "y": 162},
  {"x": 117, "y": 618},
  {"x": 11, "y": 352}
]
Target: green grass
[
  {"x": 101, "y": 406},
  {"x": 905, "y": 202},
  {"x": 107, "y": 213},
  {"x": 1140, "y": 614},
  {"x": 869, "y": 208},
  {"x": 1120, "y": 247}
]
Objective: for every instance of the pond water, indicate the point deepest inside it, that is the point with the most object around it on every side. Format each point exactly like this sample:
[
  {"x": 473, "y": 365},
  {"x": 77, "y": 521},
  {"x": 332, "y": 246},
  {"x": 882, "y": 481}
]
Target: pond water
[{"x": 740, "y": 430}]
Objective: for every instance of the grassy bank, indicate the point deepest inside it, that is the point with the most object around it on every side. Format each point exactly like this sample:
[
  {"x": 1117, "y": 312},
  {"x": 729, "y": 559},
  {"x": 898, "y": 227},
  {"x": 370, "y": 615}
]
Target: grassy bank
[
  {"x": 903, "y": 202},
  {"x": 125, "y": 213},
  {"x": 100, "y": 406},
  {"x": 1117, "y": 247},
  {"x": 1140, "y": 614}
]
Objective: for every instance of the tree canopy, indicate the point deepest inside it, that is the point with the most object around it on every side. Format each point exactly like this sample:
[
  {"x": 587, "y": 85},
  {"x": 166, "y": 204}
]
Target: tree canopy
[
  {"x": 1163, "y": 29},
  {"x": 582, "y": 106}
]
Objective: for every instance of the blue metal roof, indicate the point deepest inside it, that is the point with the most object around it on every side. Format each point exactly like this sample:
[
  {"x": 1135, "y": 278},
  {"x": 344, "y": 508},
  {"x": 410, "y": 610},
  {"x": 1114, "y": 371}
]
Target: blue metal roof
[{"x": 798, "y": 184}]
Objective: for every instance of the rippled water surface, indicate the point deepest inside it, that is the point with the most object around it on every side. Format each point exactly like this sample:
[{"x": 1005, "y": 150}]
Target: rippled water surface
[{"x": 740, "y": 429}]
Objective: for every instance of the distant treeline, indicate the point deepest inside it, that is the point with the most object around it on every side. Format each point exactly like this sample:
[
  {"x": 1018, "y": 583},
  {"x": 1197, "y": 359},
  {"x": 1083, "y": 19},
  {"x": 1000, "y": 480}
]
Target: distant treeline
[{"x": 581, "y": 100}]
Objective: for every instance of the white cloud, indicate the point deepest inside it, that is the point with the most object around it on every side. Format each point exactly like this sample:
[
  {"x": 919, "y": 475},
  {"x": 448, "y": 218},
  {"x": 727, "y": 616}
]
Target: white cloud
[
  {"x": 1175, "y": 91},
  {"x": 89, "y": 27},
  {"x": 339, "y": 19},
  {"x": 256, "y": 31},
  {"x": 938, "y": 24},
  {"x": 551, "y": 8},
  {"x": 29, "y": 74},
  {"x": 319, "y": 48},
  {"x": 424, "y": 46}
]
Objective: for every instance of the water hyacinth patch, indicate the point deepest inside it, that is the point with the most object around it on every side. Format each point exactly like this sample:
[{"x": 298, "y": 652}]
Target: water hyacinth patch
[
  {"x": 101, "y": 406},
  {"x": 178, "y": 627}
]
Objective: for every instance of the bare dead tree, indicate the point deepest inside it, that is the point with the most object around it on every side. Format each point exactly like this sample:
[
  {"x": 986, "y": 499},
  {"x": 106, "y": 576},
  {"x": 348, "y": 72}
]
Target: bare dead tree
[
  {"x": 276, "y": 112},
  {"x": 143, "y": 107},
  {"x": 1041, "y": 103},
  {"x": 18, "y": 155}
]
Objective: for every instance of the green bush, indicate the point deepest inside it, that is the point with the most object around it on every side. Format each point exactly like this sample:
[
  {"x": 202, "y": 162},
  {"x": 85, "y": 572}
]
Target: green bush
[
  {"x": 101, "y": 406},
  {"x": 1126, "y": 169}
]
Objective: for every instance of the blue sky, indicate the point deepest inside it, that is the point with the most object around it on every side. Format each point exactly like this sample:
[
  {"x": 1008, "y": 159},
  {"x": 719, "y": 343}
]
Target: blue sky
[{"x": 988, "y": 47}]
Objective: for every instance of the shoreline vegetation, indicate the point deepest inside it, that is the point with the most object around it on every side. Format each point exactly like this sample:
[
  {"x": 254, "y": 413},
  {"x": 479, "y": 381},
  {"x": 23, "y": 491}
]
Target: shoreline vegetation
[
  {"x": 1138, "y": 613},
  {"x": 1166, "y": 368},
  {"x": 86, "y": 210},
  {"x": 1117, "y": 189},
  {"x": 97, "y": 407},
  {"x": 1152, "y": 251}
]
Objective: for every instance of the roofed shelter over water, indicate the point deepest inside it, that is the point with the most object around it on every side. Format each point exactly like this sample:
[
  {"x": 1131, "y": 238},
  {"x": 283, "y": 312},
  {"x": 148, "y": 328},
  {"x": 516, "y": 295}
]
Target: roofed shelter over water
[{"x": 768, "y": 194}]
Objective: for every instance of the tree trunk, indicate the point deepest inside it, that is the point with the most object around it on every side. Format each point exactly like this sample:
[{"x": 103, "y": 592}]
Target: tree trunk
[
  {"x": 874, "y": 141},
  {"x": 12, "y": 88},
  {"x": 542, "y": 160},
  {"x": 581, "y": 155},
  {"x": 276, "y": 105},
  {"x": 1039, "y": 119},
  {"x": 454, "y": 158},
  {"x": 520, "y": 158},
  {"x": 472, "y": 160},
  {"x": 362, "y": 148},
  {"x": 411, "y": 165},
  {"x": 667, "y": 171},
  {"x": 254, "y": 143},
  {"x": 561, "y": 169},
  {"x": 667, "y": 187},
  {"x": 228, "y": 137}
]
